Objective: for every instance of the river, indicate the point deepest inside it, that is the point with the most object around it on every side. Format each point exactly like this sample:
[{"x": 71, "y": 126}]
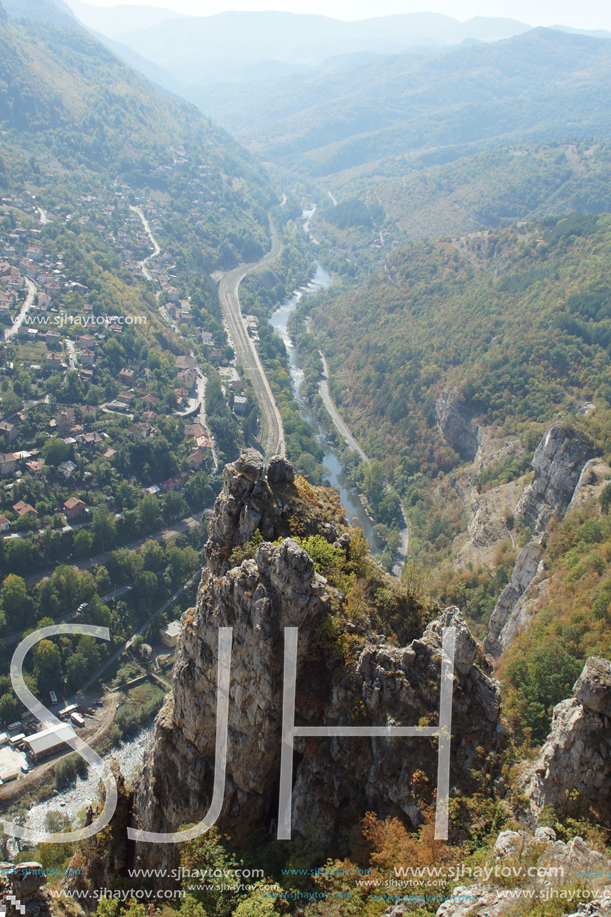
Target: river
[{"x": 332, "y": 465}]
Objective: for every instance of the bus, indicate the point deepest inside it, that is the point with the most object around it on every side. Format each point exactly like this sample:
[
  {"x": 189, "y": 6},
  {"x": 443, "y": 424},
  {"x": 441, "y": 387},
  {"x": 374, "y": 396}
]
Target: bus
[{"x": 77, "y": 719}]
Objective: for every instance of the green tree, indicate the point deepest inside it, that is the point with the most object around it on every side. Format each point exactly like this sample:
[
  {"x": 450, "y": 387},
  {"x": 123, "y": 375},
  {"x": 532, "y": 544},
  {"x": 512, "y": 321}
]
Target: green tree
[
  {"x": 149, "y": 513},
  {"x": 82, "y": 543},
  {"x": 16, "y": 603},
  {"x": 47, "y": 663},
  {"x": 103, "y": 529},
  {"x": 55, "y": 451}
]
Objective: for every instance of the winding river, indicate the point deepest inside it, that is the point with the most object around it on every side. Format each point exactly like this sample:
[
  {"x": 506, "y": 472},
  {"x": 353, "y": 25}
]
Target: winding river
[{"x": 332, "y": 465}]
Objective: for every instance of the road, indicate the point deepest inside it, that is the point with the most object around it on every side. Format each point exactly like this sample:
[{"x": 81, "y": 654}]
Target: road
[
  {"x": 323, "y": 388},
  {"x": 245, "y": 349},
  {"x": 71, "y": 349},
  {"x": 154, "y": 243},
  {"x": 343, "y": 430},
  {"x": 43, "y": 217},
  {"x": 163, "y": 535},
  {"x": 29, "y": 302}
]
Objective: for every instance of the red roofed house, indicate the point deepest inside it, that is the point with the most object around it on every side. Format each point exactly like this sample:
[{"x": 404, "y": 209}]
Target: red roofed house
[
  {"x": 22, "y": 509},
  {"x": 74, "y": 507}
]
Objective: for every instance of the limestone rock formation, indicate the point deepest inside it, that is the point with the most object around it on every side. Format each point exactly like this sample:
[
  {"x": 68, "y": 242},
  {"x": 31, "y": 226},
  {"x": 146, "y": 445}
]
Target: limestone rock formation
[
  {"x": 374, "y": 683},
  {"x": 455, "y": 423},
  {"x": 593, "y": 687},
  {"x": 557, "y": 867},
  {"x": 563, "y": 468},
  {"x": 558, "y": 461},
  {"x": 508, "y": 618},
  {"x": 577, "y": 754},
  {"x": 592, "y": 480},
  {"x": 398, "y": 685}
]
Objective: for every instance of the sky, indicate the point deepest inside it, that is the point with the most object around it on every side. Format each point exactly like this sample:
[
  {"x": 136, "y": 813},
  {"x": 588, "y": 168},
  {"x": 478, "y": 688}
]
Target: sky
[{"x": 588, "y": 14}]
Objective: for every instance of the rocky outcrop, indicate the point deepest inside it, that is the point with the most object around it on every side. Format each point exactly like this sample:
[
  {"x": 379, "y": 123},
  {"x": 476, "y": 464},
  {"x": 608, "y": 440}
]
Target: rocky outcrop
[
  {"x": 593, "y": 687},
  {"x": 510, "y": 616},
  {"x": 345, "y": 676},
  {"x": 558, "y": 462},
  {"x": 455, "y": 422},
  {"x": 551, "y": 871},
  {"x": 559, "y": 473},
  {"x": 398, "y": 685},
  {"x": 577, "y": 754},
  {"x": 592, "y": 480}
]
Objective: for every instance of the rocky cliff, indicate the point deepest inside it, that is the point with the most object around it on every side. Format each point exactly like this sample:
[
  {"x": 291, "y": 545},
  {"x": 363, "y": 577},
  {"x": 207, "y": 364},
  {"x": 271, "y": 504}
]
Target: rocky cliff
[
  {"x": 564, "y": 471},
  {"x": 346, "y": 675},
  {"x": 455, "y": 423},
  {"x": 574, "y": 766},
  {"x": 557, "y": 462}
]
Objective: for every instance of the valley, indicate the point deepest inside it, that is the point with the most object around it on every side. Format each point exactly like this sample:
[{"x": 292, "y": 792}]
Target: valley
[{"x": 307, "y": 327}]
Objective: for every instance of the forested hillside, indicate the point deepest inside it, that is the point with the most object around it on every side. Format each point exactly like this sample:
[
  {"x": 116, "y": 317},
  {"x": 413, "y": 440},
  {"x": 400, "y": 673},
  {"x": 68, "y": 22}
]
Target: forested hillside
[
  {"x": 371, "y": 120},
  {"x": 517, "y": 321}
]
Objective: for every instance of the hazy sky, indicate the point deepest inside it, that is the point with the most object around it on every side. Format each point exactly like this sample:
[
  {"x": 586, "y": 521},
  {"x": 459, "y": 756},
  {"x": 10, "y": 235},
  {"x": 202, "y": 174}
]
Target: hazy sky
[{"x": 588, "y": 14}]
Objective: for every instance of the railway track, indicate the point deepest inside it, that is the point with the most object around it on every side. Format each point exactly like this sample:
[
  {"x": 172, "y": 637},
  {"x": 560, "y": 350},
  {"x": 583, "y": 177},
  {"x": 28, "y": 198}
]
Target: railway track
[{"x": 245, "y": 349}]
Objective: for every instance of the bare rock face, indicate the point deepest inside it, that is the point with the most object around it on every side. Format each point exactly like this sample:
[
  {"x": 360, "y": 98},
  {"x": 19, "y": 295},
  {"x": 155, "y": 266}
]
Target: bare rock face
[
  {"x": 558, "y": 461},
  {"x": 506, "y": 621},
  {"x": 557, "y": 867},
  {"x": 374, "y": 684},
  {"x": 593, "y": 687},
  {"x": 455, "y": 423},
  {"x": 577, "y": 754},
  {"x": 400, "y": 686},
  {"x": 559, "y": 474},
  {"x": 258, "y": 599}
]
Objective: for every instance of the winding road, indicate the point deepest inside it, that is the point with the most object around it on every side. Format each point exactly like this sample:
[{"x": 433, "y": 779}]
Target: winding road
[
  {"x": 29, "y": 302},
  {"x": 340, "y": 426},
  {"x": 245, "y": 349},
  {"x": 154, "y": 242}
]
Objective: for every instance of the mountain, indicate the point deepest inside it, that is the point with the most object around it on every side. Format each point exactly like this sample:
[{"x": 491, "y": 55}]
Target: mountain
[
  {"x": 54, "y": 12},
  {"x": 115, "y": 21},
  {"x": 542, "y": 85},
  {"x": 181, "y": 44}
]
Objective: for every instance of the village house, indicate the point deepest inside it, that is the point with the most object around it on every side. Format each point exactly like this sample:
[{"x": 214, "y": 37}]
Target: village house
[
  {"x": 140, "y": 431},
  {"x": 4, "y": 523},
  {"x": 240, "y": 405},
  {"x": 66, "y": 469},
  {"x": 126, "y": 376},
  {"x": 24, "y": 509},
  {"x": 90, "y": 440},
  {"x": 196, "y": 458},
  {"x": 8, "y": 462},
  {"x": 183, "y": 362},
  {"x": 73, "y": 507},
  {"x": 187, "y": 378},
  {"x": 150, "y": 416},
  {"x": 55, "y": 359},
  {"x": 87, "y": 357},
  {"x": 87, "y": 341},
  {"x": 9, "y": 431},
  {"x": 86, "y": 374},
  {"x": 53, "y": 340},
  {"x": 126, "y": 397},
  {"x": 35, "y": 467},
  {"x": 64, "y": 418}
]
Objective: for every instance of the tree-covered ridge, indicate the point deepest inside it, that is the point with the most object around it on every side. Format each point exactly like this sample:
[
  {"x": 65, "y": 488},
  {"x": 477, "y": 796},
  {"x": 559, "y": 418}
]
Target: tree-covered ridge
[
  {"x": 73, "y": 115},
  {"x": 515, "y": 319},
  {"x": 369, "y": 121},
  {"x": 500, "y": 186}
]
